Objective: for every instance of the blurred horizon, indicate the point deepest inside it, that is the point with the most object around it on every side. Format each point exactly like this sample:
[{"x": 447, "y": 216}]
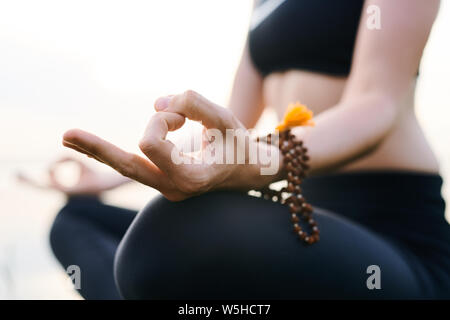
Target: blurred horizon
[{"x": 99, "y": 66}]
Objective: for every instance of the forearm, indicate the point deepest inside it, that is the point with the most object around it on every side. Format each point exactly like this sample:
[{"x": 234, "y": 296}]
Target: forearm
[{"x": 347, "y": 131}]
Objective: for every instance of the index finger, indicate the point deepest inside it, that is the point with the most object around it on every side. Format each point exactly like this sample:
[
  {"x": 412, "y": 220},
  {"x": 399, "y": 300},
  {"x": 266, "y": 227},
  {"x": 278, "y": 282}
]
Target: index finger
[{"x": 127, "y": 164}]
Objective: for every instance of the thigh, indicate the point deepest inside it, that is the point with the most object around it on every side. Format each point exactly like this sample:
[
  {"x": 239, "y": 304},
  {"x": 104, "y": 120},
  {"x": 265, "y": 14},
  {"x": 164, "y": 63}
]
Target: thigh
[{"x": 230, "y": 245}]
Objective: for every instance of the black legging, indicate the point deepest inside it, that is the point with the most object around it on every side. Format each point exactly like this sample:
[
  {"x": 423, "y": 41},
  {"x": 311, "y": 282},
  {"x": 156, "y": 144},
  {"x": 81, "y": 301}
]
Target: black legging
[{"x": 230, "y": 245}]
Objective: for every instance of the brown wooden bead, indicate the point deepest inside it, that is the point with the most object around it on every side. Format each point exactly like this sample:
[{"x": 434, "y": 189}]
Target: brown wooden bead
[
  {"x": 302, "y": 234},
  {"x": 300, "y": 199},
  {"x": 290, "y": 144},
  {"x": 295, "y": 160},
  {"x": 292, "y": 199},
  {"x": 290, "y": 176},
  {"x": 306, "y": 207},
  {"x": 290, "y": 167},
  {"x": 290, "y": 187},
  {"x": 293, "y": 208},
  {"x": 295, "y": 171},
  {"x": 284, "y": 146},
  {"x": 306, "y": 216}
]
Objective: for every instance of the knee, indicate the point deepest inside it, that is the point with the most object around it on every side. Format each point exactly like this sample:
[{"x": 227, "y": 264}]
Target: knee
[
  {"x": 184, "y": 250},
  {"x": 59, "y": 230},
  {"x": 65, "y": 227},
  {"x": 133, "y": 263},
  {"x": 135, "y": 273},
  {"x": 64, "y": 223},
  {"x": 126, "y": 278},
  {"x": 147, "y": 261}
]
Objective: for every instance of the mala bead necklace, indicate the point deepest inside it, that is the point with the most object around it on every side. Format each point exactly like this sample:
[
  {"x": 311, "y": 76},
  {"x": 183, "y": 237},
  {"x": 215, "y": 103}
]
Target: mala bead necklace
[{"x": 295, "y": 159}]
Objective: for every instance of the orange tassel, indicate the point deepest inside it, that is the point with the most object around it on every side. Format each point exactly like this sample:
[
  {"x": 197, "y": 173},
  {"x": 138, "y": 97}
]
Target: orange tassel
[{"x": 296, "y": 114}]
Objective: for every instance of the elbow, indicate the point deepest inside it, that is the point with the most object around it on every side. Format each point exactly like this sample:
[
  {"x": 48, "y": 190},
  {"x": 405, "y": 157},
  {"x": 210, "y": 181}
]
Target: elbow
[
  {"x": 373, "y": 118},
  {"x": 382, "y": 114},
  {"x": 385, "y": 111},
  {"x": 377, "y": 114}
]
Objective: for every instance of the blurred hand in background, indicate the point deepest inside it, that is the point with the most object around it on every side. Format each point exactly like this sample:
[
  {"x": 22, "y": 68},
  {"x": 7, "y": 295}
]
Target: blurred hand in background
[{"x": 88, "y": 182}]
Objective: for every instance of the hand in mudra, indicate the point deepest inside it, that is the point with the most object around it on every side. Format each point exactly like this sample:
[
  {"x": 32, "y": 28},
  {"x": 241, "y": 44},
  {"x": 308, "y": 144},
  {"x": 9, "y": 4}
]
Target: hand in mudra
[
  {"x": 89, "y": 181},
  {"x": 175, "y": 181}
]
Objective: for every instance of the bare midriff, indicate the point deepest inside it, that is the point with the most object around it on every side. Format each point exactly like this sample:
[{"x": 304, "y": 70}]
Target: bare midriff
[{"x": 404, "y": 148}]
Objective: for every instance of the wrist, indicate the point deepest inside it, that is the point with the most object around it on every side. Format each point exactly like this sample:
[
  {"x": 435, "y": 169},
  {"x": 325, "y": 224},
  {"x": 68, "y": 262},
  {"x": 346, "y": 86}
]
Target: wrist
[{"x": 269, "y": 168}]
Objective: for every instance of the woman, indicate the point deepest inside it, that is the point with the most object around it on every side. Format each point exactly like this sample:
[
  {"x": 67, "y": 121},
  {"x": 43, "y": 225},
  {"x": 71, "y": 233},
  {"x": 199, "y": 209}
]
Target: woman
[{"x": 374, "y": 181}]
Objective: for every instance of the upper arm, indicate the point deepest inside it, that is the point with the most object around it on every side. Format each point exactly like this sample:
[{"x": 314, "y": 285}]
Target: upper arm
[
  {"x": 386, "y": 60},
  {"x": 246, "y": 101}
]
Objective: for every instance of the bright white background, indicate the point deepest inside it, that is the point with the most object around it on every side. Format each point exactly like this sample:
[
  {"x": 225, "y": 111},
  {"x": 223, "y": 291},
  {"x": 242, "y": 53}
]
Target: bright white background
[{"x": 99, "y": 65}]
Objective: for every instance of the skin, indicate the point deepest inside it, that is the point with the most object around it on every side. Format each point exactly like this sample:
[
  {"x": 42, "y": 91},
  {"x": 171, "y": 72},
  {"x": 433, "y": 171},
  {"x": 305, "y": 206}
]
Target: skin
[
  {"x": 367, "y": 119},
  {"x": 364, "y": 121},
  {"x": 89, "y": 182}
]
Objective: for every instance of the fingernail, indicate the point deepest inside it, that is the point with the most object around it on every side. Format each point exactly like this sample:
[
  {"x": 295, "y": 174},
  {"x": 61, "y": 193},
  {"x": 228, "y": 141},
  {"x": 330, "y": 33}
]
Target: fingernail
[{"x": 162, "y": 103}]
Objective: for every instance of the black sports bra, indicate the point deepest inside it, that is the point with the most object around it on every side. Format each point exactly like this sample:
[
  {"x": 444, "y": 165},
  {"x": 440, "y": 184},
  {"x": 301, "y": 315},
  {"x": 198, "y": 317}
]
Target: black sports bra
[{"x": 314, "y": 35}]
